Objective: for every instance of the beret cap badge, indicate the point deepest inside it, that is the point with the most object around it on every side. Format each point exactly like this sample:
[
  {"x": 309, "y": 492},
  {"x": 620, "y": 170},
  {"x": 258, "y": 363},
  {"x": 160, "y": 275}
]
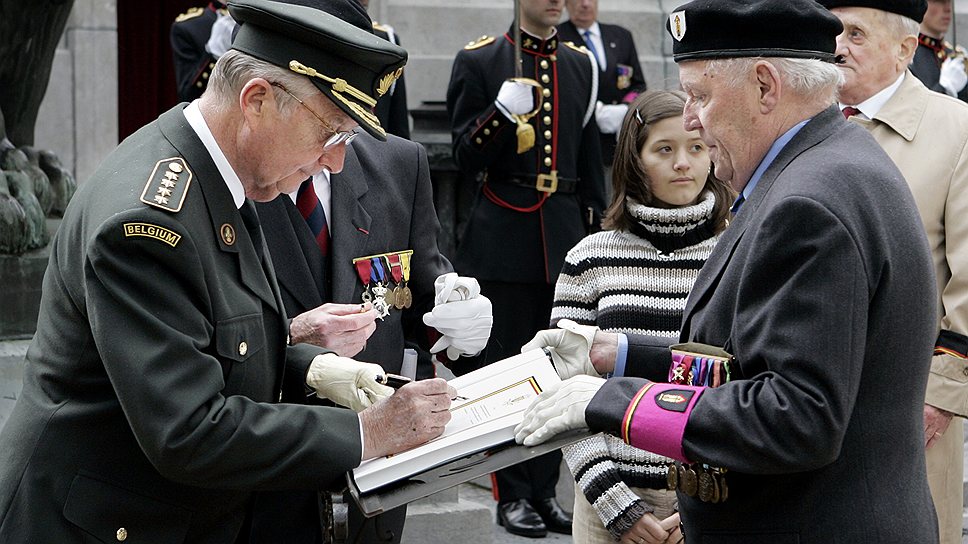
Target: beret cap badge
[{"x": 677, "y": 25}]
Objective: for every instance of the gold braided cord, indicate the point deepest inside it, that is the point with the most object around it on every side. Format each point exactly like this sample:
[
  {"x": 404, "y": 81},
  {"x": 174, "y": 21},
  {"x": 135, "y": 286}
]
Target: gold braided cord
[{"x": 339, "y": 85}]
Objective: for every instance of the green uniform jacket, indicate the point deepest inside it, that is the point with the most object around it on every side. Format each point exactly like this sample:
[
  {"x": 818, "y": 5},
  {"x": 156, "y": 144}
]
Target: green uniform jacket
[{"x": 147, "y": 404}]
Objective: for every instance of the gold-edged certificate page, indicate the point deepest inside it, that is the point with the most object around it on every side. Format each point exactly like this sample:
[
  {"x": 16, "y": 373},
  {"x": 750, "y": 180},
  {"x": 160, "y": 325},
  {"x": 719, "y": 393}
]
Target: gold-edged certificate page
[{"x": 490, "y": 403}]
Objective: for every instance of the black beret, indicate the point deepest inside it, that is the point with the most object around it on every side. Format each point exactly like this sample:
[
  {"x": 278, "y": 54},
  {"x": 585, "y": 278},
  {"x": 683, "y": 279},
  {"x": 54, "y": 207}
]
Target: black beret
[
  {"x": 345, "y": 60},
  {"x": 721, "y": 29},
  {"x": 912, "y": 9}
]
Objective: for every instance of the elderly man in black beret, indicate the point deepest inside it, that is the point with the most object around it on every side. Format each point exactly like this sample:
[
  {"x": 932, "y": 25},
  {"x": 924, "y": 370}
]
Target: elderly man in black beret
[
  {"x": 819, "y": 298},
  {"x": 149, "y": 410},
  {"x": 926, "y": 135}
]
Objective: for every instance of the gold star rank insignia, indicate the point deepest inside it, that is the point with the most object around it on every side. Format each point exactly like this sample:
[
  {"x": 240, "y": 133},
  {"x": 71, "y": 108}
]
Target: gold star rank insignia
[{"x": 168, "y": 184}]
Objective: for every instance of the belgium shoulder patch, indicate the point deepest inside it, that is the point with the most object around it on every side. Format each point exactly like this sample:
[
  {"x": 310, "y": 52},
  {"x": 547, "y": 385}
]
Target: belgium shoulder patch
[
  {"x": 148, "y": 230},
  {"x": 480, "y": 42},
  {"x": 190, "y": 14},
  {"x": 168, "y": 184}
]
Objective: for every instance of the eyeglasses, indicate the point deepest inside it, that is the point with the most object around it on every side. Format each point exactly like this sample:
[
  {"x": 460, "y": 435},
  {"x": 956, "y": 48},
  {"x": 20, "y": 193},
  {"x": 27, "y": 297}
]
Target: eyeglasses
[{"x": 338, "y": 137}]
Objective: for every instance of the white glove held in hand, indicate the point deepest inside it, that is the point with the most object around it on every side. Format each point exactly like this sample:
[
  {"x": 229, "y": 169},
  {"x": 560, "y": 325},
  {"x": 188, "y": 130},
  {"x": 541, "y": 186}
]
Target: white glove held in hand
[
  {"x": 570, "y": 345},
  {"x": 953, "y": 77},
  {"x": 220, "y": 40},
  {"x": 347, "y": 382},
  {"x": 557, "y": 409},
  {"x": 610, "y": 117},
  {"x": 515, "y": 98},
  {"x": 461, "y": 314}
]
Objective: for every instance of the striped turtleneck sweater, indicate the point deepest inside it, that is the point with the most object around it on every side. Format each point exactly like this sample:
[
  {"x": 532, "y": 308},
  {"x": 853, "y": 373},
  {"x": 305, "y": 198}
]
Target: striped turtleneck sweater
[{"x": 632, "y": 281}]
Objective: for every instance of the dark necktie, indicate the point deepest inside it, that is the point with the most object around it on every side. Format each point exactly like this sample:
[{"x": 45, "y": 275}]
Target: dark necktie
[
  {"x": 312, "y": 211},
  {"x": 587, "y": 35},
  {"x": 850, "y": 111},
  {"x": 251, "y": 220}
]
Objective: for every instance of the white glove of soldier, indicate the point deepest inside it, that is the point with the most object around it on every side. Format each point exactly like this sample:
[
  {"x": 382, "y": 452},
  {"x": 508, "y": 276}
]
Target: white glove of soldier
[
  {"x": 610, "y": 117},
  {"x": 461, "y": 314},
  {"x": 557, "y": 409},
  {"x": 515, "y": 98},
  {"x": 347, "y": 382},
  {"x": 570, "y": 345},
  {"x": 220, "y": 39},
  {"x": 953, "y": 77}
]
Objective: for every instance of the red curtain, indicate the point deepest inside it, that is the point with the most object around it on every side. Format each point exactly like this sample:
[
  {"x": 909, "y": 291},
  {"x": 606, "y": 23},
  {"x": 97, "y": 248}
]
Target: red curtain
[{"x": 146, "y": 73}]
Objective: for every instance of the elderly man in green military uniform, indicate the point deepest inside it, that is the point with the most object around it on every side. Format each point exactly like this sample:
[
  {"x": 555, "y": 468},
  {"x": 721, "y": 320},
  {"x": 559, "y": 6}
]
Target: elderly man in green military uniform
[{"x": 148, "y": 410}]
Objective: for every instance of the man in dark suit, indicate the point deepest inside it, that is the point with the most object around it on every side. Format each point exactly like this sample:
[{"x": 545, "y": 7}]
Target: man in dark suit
[
  {"x": 380, "y": 204},
  {"x": 821, "y": 289},
  {"x": 539, "y": 197},
  {"x": 191, "y": 33},
  {"x": 392, "y": 110},
  {"x": 149, "y": 403},
  {"x": 620, "y": 78}
]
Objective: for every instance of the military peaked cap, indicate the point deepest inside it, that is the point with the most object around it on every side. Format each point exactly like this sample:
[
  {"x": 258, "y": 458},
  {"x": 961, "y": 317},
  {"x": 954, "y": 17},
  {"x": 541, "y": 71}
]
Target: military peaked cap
[{"x": 345, "y": 60}]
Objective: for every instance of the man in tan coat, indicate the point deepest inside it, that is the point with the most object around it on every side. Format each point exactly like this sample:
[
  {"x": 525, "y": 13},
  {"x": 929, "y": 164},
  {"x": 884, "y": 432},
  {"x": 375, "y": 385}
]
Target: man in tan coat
[{"x": 926, "y": 134}]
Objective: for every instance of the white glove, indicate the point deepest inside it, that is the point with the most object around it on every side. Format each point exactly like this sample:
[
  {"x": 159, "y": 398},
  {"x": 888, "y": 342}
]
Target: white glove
[
  {"x": 515, "y": 98},
  {"x": 557, "y": 409},
  {"x": 570, "y": 345},
  {"x": 347, "y": 382},
  {"x": 953, "y": 77},
  {"x": 220, "y": 40},
  {"x": 461, "y": 314},
  {"x": 610, "y": 117}
]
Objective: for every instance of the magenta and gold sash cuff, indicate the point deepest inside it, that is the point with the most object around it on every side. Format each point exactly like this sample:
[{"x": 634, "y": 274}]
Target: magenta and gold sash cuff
[{"x": 656, "y": 418}]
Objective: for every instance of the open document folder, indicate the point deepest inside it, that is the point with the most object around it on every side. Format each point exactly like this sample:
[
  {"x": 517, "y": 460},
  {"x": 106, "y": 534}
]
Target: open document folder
[{"x": 490, "y": 403}]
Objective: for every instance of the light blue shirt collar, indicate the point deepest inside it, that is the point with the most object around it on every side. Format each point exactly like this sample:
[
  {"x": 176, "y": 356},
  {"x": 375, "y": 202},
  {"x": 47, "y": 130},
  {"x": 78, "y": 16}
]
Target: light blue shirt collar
[{"x": 775, "y": 149}]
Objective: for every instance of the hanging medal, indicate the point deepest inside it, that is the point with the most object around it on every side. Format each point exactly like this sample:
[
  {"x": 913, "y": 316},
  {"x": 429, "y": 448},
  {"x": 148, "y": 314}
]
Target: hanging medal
[
  {"x": 378, "y": 277},
  {"x": 405, "y": 269},
  {"x": 362, "y": 266},
  {"x": 396, "y": 272}
]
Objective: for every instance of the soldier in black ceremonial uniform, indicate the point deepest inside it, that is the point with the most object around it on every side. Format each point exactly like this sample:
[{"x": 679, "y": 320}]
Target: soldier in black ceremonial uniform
[
  {"x": 534, "y": 200},
  {"x": 936, "y": 62},
  {"x": 149, "y": 409},
  {"x": 189, "y": 34}
]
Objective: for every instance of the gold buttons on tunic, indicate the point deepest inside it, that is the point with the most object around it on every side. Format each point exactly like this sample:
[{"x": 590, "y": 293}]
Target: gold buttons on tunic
[
  {"x": 547, "y": 106},
  {"x": 545, "y": 78},
  {"x": 243, "y": 348},
  {"x": 546, "y": 119},
  {"x": 546, "y": 92},
  {"x": 547, "y": 161},
  {"x": 547, "y": 134},
  {"x": 495, "y": 123},
  {"x": 478, "y": 140},
  {"x": 487, "y": 131},
  {"x": 547, "y": 148},
  {"x": 122, "y": 534},
  {"x": 544, "y": 64}
]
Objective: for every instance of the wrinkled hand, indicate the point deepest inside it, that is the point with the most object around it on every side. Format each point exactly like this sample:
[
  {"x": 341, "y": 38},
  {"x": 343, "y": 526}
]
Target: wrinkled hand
[
  {"x": 342, "y": 328},
  {"x": 416, "y": 413},
  {"x": 953, "y": 77},
  {"x": 610, "y": 117},
  {"x": 515, "y": 98},
  {"x": 461, "y": 314},
  {"x": 347, "y": 382},
  {"x": 220, "y": 40},
  {"x": 557, "y": 409},
  {"x": 672, "y": 525},
  {"x": 936, "y": 422},
  {"x": 570, "y": 346},
  {"x": 648, "y": 529}
]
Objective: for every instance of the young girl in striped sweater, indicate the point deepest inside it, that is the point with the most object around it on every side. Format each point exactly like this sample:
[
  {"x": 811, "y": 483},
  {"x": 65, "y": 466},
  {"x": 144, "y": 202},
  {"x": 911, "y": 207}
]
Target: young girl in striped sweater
[{"x": 666, "y": 215}]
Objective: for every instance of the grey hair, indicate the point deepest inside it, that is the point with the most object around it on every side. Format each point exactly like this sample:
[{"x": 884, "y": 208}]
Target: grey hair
[
  {"x": 235, "y": 68},
  {"x": 898, "y": 25},
  {"x": 811, "y": 78}
]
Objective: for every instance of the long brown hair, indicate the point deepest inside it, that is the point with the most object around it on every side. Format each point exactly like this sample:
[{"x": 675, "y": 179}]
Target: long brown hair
[{"x": 629, "y": 178}]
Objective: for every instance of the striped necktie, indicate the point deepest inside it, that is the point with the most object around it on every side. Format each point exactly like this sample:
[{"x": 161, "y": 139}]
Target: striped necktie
[{"x": 312, "y": 211}]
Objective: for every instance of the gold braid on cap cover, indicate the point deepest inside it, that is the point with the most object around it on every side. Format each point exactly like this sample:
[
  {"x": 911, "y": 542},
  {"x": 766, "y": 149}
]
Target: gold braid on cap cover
[{"x": 339, "y": 86}]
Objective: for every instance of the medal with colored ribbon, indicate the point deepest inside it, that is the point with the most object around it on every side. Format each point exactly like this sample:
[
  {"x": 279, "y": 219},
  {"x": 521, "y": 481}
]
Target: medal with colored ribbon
[
  {"x": 372, "y": 293},
  {"x": 405, "y": 293},
  {"x": 396, "y": 272}
]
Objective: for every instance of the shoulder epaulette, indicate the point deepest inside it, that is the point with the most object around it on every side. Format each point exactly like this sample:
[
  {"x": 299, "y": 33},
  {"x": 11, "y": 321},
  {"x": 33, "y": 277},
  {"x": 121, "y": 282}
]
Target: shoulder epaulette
[
  {"x": 480, "y": 42},
  {"x": 168, "y": 184},
  {"x": 381, "y": 28},
  {"x": 190, "y": 14},
  {"x": 579, "y": 48}
]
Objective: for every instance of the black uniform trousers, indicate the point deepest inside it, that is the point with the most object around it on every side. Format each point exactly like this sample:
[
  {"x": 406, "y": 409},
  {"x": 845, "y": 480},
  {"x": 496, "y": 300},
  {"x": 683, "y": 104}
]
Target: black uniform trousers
[{"x": 520, "y": 311}]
